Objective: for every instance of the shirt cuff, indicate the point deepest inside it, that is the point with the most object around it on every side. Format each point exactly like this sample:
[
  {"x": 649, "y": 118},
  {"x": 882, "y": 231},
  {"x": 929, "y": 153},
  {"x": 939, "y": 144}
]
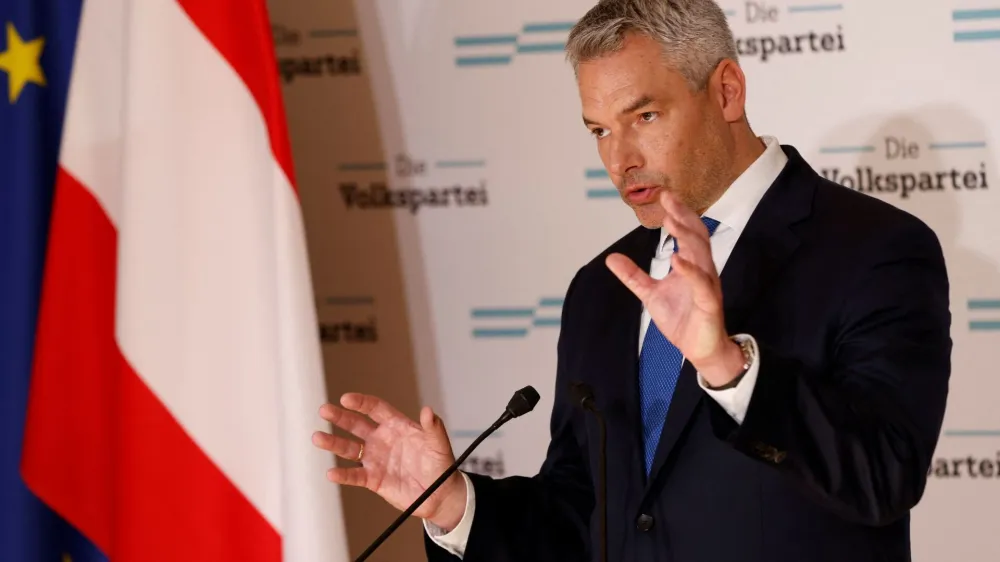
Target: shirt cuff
[
  {"x": 735, "y": 401},
  {"x": 456, "y": 541}
]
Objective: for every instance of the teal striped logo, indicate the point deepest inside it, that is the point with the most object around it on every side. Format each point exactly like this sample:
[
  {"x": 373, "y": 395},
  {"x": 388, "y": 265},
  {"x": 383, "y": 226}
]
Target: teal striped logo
[
  {"x": 598, "y": 184},
  {"x": 534, "y": 38},
  {"x": 516, "y": 321},
  {"x": 984, "y": 315},
  {"x": 981, "y": 24}
]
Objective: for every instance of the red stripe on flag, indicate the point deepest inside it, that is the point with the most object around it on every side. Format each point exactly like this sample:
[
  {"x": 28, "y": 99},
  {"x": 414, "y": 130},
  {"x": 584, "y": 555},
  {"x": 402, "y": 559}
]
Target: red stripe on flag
[
  {"x": 100, "y": 448},
  {"x": 69, "y": 429},
  {"x": 241, "y": 31}
]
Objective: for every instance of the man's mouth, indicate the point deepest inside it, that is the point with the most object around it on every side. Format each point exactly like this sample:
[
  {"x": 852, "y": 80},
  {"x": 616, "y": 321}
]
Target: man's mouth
[{"x": 642, "y": 194}]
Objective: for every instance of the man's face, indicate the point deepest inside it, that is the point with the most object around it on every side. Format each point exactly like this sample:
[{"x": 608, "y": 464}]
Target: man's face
[{"x": 653, "y": 132}]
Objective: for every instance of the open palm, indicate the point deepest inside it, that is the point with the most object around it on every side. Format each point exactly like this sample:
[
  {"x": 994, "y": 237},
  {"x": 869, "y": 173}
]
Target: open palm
[
  {"x": 685, "y": 315},
  {"x": 402, "y": 458},
  {"x": 686, "y": 305}
]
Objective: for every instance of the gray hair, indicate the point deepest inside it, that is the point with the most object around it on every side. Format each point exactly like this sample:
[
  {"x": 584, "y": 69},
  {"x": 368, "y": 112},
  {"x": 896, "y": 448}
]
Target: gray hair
[{"x": 694, "y": 34}]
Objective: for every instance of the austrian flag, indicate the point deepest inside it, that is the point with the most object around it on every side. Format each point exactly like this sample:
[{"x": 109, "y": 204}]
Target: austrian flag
[{"x": 177, "y": 372}]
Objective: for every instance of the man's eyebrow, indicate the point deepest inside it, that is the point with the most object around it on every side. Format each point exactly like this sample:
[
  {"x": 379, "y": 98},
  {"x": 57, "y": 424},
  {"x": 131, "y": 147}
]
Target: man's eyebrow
[{"x": 639, "y": 103}]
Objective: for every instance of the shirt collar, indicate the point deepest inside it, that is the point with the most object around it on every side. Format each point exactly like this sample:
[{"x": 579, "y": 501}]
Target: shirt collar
[{"x": 738, "y": 202}]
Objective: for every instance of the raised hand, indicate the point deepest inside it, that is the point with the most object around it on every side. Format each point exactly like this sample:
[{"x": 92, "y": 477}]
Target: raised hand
[
  {"x": 401, "y": 458},
  {"x": 686, "y": 305}
]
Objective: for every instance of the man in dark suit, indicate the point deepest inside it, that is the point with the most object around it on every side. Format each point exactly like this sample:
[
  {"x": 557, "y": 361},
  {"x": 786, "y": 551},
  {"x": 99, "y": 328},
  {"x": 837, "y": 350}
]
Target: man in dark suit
[{"x": 785, "y": 411}]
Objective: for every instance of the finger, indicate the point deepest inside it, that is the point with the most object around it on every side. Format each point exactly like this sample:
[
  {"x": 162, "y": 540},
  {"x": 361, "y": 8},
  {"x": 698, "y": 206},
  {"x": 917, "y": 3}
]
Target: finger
[
  {"x": 631, "y": 275},
  {"x": 705, "y": 288},
  {"x": 681, "y": 216},
  {"x": 347, "y": 420},
  {"x": 343, "y": 447},
  {"x": 685, "y": 233},
  {"x": 691, "y": 233},
  {"x": 693, "y": 245},
  {"x": 681, "y": 212},
  {"x": 348, "y": 476},
  {"x": 371, "y": 406}
]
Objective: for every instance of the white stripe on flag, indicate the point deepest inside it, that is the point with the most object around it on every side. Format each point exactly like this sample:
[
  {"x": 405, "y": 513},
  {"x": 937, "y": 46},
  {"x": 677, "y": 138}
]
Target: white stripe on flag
[{"x": 214, "y": 299}]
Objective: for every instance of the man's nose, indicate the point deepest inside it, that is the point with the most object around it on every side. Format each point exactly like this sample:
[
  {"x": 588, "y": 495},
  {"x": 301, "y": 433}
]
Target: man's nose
[{"x": 623, "y": 156}]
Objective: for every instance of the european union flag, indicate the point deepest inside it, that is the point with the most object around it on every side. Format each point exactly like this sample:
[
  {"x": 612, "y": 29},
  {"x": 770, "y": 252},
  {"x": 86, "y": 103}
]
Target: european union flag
[{"x": 37, "y": 39}]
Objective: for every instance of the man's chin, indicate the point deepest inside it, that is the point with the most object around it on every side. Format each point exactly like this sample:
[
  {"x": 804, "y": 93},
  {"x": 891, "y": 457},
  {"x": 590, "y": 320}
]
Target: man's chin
[{"x": 648, "y": 219}]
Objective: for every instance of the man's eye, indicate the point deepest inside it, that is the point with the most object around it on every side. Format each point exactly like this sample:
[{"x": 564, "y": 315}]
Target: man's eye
[
  {"x": 599, "y": 133},
  {"x": 648, "y": 116}
]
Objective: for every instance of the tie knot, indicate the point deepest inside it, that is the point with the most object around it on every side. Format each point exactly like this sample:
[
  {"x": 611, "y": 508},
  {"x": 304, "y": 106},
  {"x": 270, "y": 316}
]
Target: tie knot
[{"x": 710, "y": 223}]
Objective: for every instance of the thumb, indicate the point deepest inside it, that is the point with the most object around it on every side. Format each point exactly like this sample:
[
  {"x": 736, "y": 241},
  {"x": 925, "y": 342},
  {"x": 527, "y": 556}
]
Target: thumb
[
  {"x": 432, "y": 425},
  {"x": 631, "y": 275},
  {"x": 430, "y": 422}
]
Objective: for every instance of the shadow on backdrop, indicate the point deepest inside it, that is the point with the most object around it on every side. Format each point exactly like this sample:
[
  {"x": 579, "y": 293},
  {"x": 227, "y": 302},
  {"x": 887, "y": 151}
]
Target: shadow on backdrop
[
  {"x": 942, "y": 155},
  {"x": 355, "y": 254}
]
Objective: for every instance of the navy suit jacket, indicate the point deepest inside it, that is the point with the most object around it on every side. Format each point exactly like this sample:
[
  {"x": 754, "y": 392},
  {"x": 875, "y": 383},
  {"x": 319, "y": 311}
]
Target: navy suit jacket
[{"x": 847, "y": 297}]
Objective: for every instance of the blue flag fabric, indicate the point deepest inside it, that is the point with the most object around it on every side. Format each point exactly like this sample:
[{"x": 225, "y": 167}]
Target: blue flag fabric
[{"x": 37, "y": 40}]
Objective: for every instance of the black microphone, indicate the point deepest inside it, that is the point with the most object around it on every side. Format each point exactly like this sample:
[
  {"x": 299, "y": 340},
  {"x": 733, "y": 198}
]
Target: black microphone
[
  {"x": 583, "y": 394},
  {"x": 521, "y": 403}
]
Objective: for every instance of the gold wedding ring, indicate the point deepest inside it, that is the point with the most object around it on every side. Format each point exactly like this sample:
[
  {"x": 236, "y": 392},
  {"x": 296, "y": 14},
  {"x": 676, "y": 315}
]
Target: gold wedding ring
[{"x": 361, "y": 453}]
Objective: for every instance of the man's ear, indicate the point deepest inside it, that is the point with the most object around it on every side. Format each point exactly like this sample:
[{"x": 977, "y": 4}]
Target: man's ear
[{"x": 727, "y": 86}]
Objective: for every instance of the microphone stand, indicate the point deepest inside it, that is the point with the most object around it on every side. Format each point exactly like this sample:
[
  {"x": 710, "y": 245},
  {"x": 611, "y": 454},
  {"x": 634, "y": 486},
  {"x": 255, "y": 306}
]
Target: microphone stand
[
  {"x": 602, "y": 477},
  {"x": 584, "y": 395}
]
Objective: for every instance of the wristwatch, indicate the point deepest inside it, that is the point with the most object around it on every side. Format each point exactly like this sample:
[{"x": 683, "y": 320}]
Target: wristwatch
[{"x": 748, "y": 356}]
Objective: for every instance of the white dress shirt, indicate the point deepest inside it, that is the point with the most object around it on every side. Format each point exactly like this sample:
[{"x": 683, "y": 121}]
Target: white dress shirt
[{"x": 732, "y": 210}]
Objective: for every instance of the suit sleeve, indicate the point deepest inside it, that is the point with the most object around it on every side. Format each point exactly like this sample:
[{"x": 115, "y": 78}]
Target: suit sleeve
[
  {"x": 544, "y": 517},
  {"x": 858, "y": 433}
]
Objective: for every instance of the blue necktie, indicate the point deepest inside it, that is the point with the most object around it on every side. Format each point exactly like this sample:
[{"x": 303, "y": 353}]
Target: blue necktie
[{"x": 659, "y": 368}]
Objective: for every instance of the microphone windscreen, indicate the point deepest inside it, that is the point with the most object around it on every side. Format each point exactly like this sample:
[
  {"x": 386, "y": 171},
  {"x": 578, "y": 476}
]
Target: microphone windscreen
[{"x": 523, "y": 401}]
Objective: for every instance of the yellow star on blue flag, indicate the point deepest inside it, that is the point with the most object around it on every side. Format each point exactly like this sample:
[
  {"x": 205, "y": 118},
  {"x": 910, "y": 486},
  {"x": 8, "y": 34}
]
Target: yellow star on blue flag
[
  {"x": 22, "y": 62},
  {"x": 37, "y": 44}
]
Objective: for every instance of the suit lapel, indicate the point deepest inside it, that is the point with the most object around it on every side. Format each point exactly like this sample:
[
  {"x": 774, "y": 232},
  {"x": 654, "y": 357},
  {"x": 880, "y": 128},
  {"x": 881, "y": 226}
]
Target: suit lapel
[
  {"x": 768, "y": 240},
  {"x": 763, "y": 249}
]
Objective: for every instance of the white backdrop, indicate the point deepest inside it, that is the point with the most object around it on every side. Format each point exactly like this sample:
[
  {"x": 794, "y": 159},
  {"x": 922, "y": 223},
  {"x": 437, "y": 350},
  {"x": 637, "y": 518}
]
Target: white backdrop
[{"x": 499, "y": 196}]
